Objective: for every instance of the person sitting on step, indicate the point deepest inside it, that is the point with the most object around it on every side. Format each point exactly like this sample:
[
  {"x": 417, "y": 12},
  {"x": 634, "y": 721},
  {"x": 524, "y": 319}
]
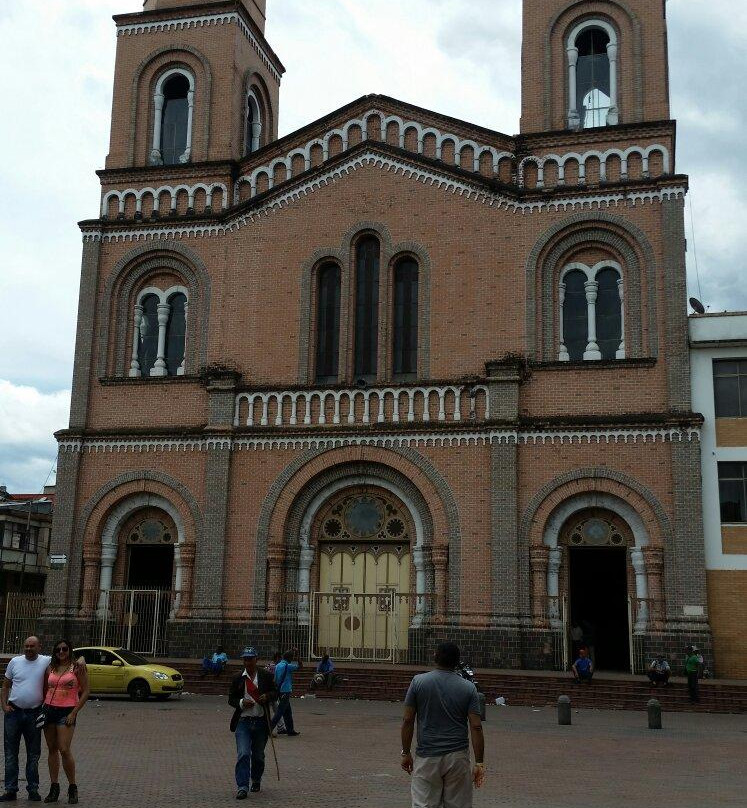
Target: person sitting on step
[
  {"x": 583, "y": 667},
  {"x": 659, "y": 672}
]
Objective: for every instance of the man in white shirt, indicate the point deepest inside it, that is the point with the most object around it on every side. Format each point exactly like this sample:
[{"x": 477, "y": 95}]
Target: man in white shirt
[
  {"x": 22, "y": 696},
  {"x": 251, "y": 692}
]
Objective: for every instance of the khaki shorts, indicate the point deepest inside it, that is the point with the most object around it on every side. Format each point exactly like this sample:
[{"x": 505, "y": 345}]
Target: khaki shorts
[{"x": 442, "y": 782}]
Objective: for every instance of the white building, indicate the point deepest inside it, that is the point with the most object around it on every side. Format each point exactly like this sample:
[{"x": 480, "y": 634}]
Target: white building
[{"x": 718, "y": 351}]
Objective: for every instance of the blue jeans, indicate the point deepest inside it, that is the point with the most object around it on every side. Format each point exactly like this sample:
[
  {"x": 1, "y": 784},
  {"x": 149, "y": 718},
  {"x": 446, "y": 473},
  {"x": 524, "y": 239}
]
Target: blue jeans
[
  {"x": 251, "y": 739},
  {"x": 17, "y": 724},
  {"x": 285, "y": 712}
]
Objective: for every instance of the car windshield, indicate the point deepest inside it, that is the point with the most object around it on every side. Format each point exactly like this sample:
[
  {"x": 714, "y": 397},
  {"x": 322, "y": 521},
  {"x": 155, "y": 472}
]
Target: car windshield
[{"x": 130, "y": 658}]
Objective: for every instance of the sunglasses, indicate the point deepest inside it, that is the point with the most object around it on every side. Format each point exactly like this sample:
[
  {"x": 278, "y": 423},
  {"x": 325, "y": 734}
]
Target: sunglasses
[{"x": 63, "y": 648}]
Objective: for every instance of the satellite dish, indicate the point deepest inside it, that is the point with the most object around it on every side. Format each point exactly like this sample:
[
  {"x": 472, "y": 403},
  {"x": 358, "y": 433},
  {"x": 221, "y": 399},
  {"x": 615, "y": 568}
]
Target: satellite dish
[{"x": 698, "y": 307}]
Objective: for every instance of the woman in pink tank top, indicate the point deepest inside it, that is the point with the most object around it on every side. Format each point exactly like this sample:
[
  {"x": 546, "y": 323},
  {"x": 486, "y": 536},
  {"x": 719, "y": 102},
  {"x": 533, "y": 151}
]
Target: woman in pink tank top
[{"x": 65, "y": 693}]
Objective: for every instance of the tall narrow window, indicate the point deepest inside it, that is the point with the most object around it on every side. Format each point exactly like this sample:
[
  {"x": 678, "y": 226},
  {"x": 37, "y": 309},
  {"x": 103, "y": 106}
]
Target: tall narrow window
[
  {"x": 575, "y": 315},
  {"x": 328, "y": 324},
  {"x": 609, "y": 314},
  {"x": 405, "y": 347},
  {"x": 593, "y": 92},
  {"x": 367, "y": 308},
  {"x": 732, "y": 486},
  {"x": 175, "y": 119},
  {"x": 253, "y": 131},
  {"x": 148, "y": 347},
  {"x": 176, "y": 331}
]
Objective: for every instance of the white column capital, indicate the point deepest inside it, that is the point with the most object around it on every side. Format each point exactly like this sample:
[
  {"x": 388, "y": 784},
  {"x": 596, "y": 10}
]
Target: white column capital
[
  {"x": 592, "y": 290},
  {"x": 612, "y": 51},
  {"x": 572, "y": 52}
]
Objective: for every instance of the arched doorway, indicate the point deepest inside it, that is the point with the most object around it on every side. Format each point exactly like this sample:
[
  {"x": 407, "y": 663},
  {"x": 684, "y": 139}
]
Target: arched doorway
[
  {"x": 362, "y": 608},
  {"x": 598, "y": 581},
  {"x": 150, "y": 536}
]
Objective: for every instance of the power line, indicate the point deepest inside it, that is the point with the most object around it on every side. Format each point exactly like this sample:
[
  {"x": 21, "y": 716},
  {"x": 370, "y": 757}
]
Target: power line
[{"x": 695, "y": 248}]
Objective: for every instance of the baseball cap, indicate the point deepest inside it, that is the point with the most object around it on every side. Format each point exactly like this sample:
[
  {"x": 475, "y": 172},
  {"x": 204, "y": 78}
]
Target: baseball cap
[{"x": 249, "y": 653}]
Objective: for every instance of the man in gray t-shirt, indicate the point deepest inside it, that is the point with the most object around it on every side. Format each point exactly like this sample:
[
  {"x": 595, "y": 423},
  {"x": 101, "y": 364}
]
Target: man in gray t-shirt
[{"x": 444, "y": 705}]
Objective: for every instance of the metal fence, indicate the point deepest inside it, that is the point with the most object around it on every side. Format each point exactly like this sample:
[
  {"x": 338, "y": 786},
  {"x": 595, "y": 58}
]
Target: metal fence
[
  {"x": 134, "y": 619},
  {"x": 22, "y": 612},
  {"x": 382, "y": 627}
]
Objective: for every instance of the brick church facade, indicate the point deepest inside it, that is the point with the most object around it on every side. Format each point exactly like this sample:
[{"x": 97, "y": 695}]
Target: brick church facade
[{"x": 393, "y": 377}]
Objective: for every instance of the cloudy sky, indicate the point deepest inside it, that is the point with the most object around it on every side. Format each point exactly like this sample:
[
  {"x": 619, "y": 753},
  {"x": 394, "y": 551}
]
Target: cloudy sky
[{"x": 460, "y": 57}]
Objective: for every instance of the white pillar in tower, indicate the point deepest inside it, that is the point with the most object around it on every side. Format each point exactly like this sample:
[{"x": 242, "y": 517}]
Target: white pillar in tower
[
  {"x": 563, "y": 355},
  {"x": 621, "y": 350},
  {"x": 135, "y": 362},
  {"x": 156, "y": 158},
  {"x": 592, "y": 349},
  {"x": 613, "y": 116},
  {"x": 574, "y": 120},
  {"x": 187, "y": 154},
  {"x": 641, "y": 589},
  {"x": 160, "y": 368}
]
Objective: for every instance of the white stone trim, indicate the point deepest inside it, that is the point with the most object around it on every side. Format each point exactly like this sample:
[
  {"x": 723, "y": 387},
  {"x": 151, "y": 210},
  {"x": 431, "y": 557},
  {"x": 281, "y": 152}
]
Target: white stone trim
[
  {"x": 110, "y": 542},
  {"x": 444, "y": 438},
  {"x": 644, "y": 152},
  {"x": 343, "y": 132},
  {"x": 201, "y": 21},
  {"x": 172, "y": 190},
  {"x": 374, "y": 400},
  {"x": 427, "y": 176}
]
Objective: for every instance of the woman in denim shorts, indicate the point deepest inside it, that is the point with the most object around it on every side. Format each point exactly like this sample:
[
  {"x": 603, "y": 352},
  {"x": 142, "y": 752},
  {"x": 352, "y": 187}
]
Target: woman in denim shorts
[{"x": 65, "y": 692}]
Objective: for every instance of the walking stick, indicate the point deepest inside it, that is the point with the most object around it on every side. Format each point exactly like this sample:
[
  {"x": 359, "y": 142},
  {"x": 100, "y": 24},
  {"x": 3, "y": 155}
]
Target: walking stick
[{"x": 272, "y": 742}]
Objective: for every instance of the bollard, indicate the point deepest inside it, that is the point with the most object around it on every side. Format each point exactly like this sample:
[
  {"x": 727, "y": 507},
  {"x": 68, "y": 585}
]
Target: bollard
[
  {"x": 481, "y": 699},
  {"x": 564, "y": 711},
  {"x": 654, "y": 714}
]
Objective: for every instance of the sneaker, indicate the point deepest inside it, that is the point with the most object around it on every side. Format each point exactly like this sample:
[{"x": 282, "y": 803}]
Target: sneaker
[
  {"x": 9, "y": 796},
  {"x": 256, "y": 787},
  {"x": 242, "y": 794}
]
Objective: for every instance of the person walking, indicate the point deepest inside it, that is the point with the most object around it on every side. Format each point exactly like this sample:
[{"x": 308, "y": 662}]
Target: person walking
[
  {"x": 65, "y": 693},
  {"x": 270, "y": 667},
  {"x": 692, "y": 669},
  {"x": 21, "y": 696},
  {"x": 284, "y": 671},
  {"x": 251, "y": 692},
  {"x": 445, "y": 706}
]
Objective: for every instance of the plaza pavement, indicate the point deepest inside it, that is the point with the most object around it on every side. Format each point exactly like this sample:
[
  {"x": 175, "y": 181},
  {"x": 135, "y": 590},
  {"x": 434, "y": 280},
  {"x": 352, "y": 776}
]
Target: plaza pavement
[{"x": 180, "y": 753}]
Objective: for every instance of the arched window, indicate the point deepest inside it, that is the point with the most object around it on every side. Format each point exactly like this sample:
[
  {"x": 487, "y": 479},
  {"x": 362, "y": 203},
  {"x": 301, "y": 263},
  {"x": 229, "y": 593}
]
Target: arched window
[
  {"x": 405, "y": 336},
  {"x": 592, "y": 320},
  {"x": 575, "y": 321},
  {"x": 159, "y": 333},
  {"x": 147, "y": 351},
  {"x": 174, "y": 107},
  {"x": 592, "y": 77},
  {"x": 328, "y": 324},
  {"x": 609, "y": 314},
  {"x": 176, "y": 332},
  {"x": 253, "y": 127},
  {"x": 367, "y": 308}
]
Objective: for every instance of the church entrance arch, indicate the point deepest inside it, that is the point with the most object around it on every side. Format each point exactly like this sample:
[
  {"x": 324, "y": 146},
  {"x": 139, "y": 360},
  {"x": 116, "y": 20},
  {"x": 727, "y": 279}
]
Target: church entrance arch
[{"x": 361, "y": 608}]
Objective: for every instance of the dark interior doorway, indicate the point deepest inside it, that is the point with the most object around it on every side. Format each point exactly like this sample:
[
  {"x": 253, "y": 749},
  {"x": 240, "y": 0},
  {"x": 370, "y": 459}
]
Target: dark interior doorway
[
  {"x": 150, "y": 567},
  {"x": 599, "y": 604}
]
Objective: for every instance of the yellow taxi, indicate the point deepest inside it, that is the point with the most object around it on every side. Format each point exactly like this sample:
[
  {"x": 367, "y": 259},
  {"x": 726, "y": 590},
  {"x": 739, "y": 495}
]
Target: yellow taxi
[{"x": 116, "y": 670}]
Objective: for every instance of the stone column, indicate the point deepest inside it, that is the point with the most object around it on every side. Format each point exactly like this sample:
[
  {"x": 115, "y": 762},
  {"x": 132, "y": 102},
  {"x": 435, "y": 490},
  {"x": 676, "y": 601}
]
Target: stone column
[
  {"x": 563, "y": 355},
  {"x": 538, "y": 560},
  {"x": 91, "y": 578},
  {"x": 592, "y": 349},
  {"x": 186, "y": 156},
  {"x": 156, "y": 158},
  {"x": 182, "y": 369},
  {"x": 641, "y": 589},
  {"x": 108, "y": 558},
  {"x": 135, "y": 362},
  {"x": 654, "y": 560},
  {"x": 275, "y": 560},
  {"x": 574, "y": 120},
  {"x": 184, "y": 586},
  {"x": 160, "y": 368},
  {"x": 441, "y": 582},
  {"x": 621, "y": 350},
  {"x": 613, "y": 115},
  {"x": 555, "y": 557}
]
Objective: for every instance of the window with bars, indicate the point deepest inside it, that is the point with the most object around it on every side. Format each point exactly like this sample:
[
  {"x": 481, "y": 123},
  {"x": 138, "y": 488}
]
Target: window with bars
[
  {"x": 328, "y": 324},
  {"x": 732, "y": 489},
  {"x": 367, "y": 308},
  {"x": 730, "y": 387},
  {"x": 405, "y": 336}
]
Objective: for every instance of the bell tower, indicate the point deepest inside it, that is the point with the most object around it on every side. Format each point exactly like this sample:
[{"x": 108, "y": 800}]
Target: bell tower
[
  {"x": 593, "y": 63},
  {"x": 195, "y": 82}
]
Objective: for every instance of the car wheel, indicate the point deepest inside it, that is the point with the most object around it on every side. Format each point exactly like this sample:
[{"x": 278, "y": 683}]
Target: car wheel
[
  {"x": 163, "y": 696},
  {"x": 138, "y": 690}
]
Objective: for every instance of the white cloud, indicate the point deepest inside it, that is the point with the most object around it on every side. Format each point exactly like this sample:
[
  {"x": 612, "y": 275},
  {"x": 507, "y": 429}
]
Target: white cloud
[{"x": 27, "y": 446}]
